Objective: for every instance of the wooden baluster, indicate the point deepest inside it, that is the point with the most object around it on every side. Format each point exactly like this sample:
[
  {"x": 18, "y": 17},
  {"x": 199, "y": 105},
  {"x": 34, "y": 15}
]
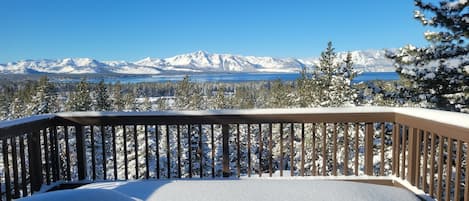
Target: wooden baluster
[
  {"x": 432, "y": 165},
  {"x": 157, "y": 152},
  {"x": 6, "y": 169},
  {"x": 346, "y": 148},
  {"x": 357, "y": 136},
  {"x": 238, "y": 152},
  {"x": 147, "y": 155},
  {"x": 395, "y": 147},
  {"x": 281, "y": 150},
  {"x": 292, "y": 150},
  {"x": 189, "y": 139},
  {"x": 93, "y": 156},
  {"x": 270, "y": 150},
  {"x": 249, "y": 150},
  {"x": 226, "y": 150},
  {"x": 425, "y": 162},
  {"x": 57, "y": 161},
  {"x": 324, "y": 145},
  {"x": 201, "y": 152},
  {"x": 314, "y": 173},
  {"x": 168, "y": 153},
  {"x": 179, "y": 150},
  {"x": 457, "y": 180},
  {"x": 404, "y": 143},
  {"x": 334, "y": 152},
  {"x": 126, "y": 168},
  {"x": 449, "y": 169},
  {"x": 81, "y": 151},
  {"x": 382, "y": 162},
  {"x": 46, "y": 155},
  {"x": 418, "y": 157},
  {"x": 24, "y": 185},
  {"x": 103, "y": 144},
  {"x": 302, "y": 170},
  {"x": 212, "y": 141},
  {"x": 466, "y": 179},
  {"x": 114, "y": 152},
  {"x": 35, "y": 161},
  {"x": 412, "y": 156},
  {"x": 261, "y": 146},
  {"x": 14, "y": 160},
  {"x": 67, "y": 154},
  {"x": 135, "y": 132},
  {"x": 369, "y": 132},
  {"x": 440, "y": 168}
]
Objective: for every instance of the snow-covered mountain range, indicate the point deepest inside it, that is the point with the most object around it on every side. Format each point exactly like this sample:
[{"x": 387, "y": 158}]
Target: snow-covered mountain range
[{"x": 200, "y": 61}]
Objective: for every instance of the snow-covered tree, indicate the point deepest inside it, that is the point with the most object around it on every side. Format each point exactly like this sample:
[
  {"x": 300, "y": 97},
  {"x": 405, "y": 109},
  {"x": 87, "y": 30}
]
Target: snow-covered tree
[
  {"x": 44, "y": 99},
  {"x": 279, "y": 95},
  {"x": 187, "y": 95},
  {"x": 129, "y": 101},
  {"x": 220, "y": 100},
  {"x": 80, "y": 99},
  {"x": 16, "y": 108},
  {"x": 330, "y": 82},
  {"x": 243, "y": 98},
  {"x": 117, "y": 99},
  {"x": 438, "y": 73},
  {"x": 103, "y": 102}
]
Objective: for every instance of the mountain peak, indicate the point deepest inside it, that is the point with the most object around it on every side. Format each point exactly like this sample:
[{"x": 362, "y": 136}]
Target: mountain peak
[
  {"x": 199, "y": 61},
  {"x": 201, "y": 52}
]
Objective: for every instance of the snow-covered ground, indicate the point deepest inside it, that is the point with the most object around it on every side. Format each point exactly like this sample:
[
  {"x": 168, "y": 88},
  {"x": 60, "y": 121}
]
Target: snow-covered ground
[{"x": 227, "y": 190}]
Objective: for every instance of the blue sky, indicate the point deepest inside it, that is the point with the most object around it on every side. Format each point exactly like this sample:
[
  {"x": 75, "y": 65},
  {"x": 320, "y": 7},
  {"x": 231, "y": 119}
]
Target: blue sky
[{"x": 132, "y": 30}]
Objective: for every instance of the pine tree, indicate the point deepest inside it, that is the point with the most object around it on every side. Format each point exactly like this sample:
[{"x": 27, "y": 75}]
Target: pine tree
[
  {"x": 129, "y": 101},
  {"x": 103, "y": 102},
  {"x": 305, "y": 89},
  {"x": 4, "y": 107},
  {"x": 196, "y": 102},
  {"x": 438, "y": 73},
  {"x": 279, "y": 95},
  {"x": 117, "y": 99},
  {"x": 330, "y": 82},
  {"x": 220, "y": 101},
  {"x": 188, "y": 95},
  {"x": 80, "y": 99},
  {"x": 243, "y": 98},
  {"x": 182, "y": 93},
  {"x": 44, "y": 99},
  {"x": 17, "y": 108}
]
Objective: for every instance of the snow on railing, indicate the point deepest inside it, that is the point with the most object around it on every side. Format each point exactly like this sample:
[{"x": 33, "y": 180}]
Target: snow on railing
[{"x": 424, "y": 147}]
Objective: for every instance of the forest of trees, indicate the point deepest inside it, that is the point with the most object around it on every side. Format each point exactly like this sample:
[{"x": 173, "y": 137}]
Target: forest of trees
[{"x": 330, "y": 84}]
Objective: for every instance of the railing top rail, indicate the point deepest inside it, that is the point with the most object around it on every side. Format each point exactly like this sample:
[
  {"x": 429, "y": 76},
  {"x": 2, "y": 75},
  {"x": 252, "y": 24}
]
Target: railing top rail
[
  {"x": 444, "y": 117},
  {"x": 337, "y": 114},
  {"x": 285, "y": 111}
]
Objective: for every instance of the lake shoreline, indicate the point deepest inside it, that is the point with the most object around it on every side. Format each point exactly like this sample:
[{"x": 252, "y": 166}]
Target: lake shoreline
[{"x": 195, "y": 77}]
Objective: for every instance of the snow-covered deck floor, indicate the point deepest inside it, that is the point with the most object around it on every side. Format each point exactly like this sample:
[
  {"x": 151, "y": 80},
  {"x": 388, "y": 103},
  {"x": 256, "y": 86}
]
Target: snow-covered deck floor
[{"x": 231, "y": 190}]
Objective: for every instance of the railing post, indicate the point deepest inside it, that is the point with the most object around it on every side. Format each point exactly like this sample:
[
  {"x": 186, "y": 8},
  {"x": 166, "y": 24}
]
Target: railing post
[
  {"x": 35, "y": 164},
  {"x": 412, "y": 156},
  {"x": 369, "y": 132},
  {"x": 226, "y": 151},
  {"x": 81, "y": 152}
]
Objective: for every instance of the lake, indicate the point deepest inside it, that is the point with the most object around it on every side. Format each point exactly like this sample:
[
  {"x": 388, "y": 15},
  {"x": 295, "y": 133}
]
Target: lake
[{"x": 228, "y": 77}]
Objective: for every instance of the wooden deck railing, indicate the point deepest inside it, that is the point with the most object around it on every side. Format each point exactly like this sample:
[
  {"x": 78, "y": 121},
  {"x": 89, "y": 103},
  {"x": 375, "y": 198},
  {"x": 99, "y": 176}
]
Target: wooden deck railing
[{"x": 426, "y": 148}]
